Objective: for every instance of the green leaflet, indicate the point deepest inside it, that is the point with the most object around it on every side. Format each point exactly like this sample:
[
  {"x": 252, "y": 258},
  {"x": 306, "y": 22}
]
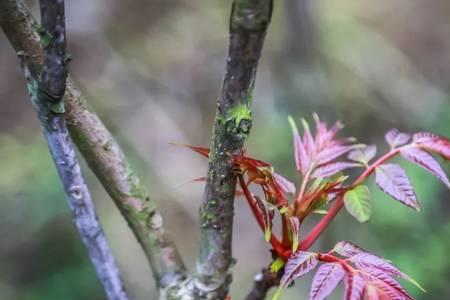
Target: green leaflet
[
  {"x": 357, "y": 203},
  {"x": 283, "y": 210},
  {"x": 276, "y": 265},
  {"x": 267, "y": 233},
  {"x": 293, "y": 125},
  {"x": 294, "y": 243}
]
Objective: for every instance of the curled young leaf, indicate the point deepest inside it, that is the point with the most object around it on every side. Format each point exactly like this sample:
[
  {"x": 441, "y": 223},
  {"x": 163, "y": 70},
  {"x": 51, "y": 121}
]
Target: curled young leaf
[
  {"x": 308, "y": 140},
  {"x": 286, "y": 185},
  {"x": 302, "y": 160},
  {"x": 267, "y": 216},
  {"x": 392, "y": 179},
  {"x": 321, "y": 150},
  {"x": 329, "y": 135},
  {"x": 321, "y": 130},
  {"x": 357, "y": 203}
]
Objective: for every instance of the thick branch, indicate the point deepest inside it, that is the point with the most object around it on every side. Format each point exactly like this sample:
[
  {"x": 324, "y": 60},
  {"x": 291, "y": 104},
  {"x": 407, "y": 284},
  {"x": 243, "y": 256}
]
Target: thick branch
[
  {"x": 79, "y": 198},
  {"x": 53, "y": 37},
  {"x": 53, "y": 78},
  {"x": 107, "y": 160},
  {"x": 263, "y": 282},
  {"x": 102, "y": 153},
  {"x": 248, "y": 24}
]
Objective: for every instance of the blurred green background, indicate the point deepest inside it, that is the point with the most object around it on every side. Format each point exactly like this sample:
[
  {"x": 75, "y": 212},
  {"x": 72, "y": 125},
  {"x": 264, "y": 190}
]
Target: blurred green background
[{"x": 153, "y": 69}]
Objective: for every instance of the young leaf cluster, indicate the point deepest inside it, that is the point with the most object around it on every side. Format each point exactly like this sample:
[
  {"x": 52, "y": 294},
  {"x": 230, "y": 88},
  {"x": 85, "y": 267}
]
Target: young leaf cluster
[
  {"x": 321, "y": 160},
  {"x": 364, "y": 275}
]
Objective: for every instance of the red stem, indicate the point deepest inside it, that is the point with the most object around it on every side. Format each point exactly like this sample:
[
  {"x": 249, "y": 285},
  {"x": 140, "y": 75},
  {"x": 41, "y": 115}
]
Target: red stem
[
  {"x": 373, "y": 166},
  {"x": 333, "y": 259},
  {"x": 276, "y": 244},
  {"x": 314, "y": 234},
  {"x": 284, "y": 231},
  {"x": 325, "y": 257}
]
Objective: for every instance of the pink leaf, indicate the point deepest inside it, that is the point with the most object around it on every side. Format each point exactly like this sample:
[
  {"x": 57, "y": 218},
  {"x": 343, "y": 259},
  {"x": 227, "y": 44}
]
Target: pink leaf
[
  {"x": 329, "y": 136},
  {"x": 325, "y": 281},
  {"x": 393, "y": 181},
  {"x": 321, "y": 130},
  {"x": 345, "y": 248},
  {"x": 308, "y": 140},
  {"x": 297, "y": 265},
  {"x": 302, "y": 160},
  {"x": 432, "y": 142},
  {"x": 426, "y": 161},
  {"x": 286, "y": 185},
  {"x": 354, "y": 286},
  {"x": 371, "y": 292},
  {"x": 332, "y": 168},
  {"x": 424, "y": 137},
  {"x": 331, "y": 153},
  {"x": 363, "y": 155},
  {"x": 390, "y": 286},
  {"x": 370, "y": 261},
  {"x": 376, "y": 290},
  {"x": 396, "y": 138},
  {"x": 441, "y": 147}
]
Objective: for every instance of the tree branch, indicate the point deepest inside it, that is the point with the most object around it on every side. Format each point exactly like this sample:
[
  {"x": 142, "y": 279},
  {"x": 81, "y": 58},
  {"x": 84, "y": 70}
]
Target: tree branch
[
  {"x": 46, "y": 89},
  {"x": 102, "y": 153},
  {"x": 53, "y": 36},
  {"x": 263, "y": 282},
  {"x": 248, "y": 24},
  {"x": 107, "y": 160}
]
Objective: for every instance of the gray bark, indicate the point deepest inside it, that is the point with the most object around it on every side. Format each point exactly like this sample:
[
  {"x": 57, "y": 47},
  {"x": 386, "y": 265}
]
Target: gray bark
[
  {"x": 46, "y": 89},
  {"x": 102, "y": 153},
  {"x": 248, "y": 25}
]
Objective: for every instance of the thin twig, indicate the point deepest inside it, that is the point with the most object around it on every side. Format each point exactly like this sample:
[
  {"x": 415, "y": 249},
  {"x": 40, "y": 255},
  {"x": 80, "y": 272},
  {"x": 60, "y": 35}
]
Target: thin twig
[{"x": 102, "y": 153}]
